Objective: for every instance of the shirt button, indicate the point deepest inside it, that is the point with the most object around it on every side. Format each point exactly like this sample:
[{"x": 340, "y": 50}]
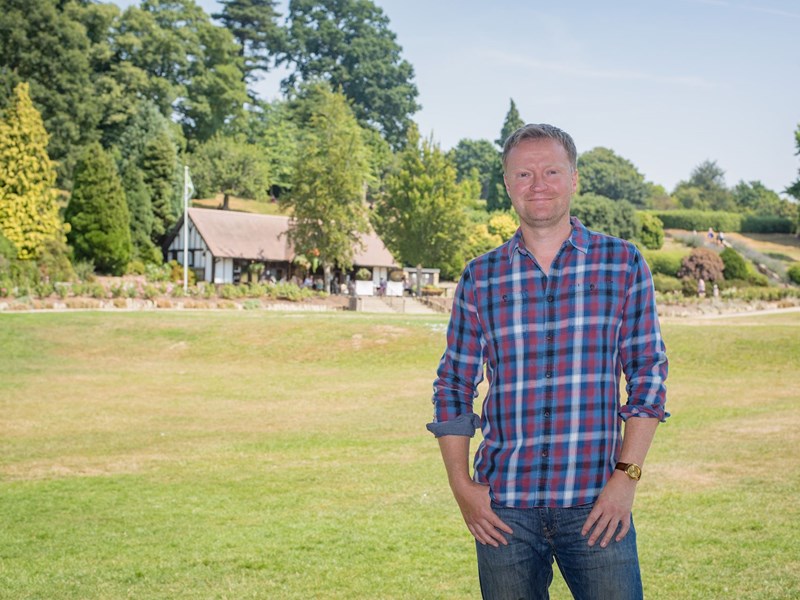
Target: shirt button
[
  {"x": 549, "y": 337},
  {"x": 550, "y": 298},
  {"x": 549, "y": 374},
  {"x": 547, "y": 414},
  {"x": 545, "y": 453}
]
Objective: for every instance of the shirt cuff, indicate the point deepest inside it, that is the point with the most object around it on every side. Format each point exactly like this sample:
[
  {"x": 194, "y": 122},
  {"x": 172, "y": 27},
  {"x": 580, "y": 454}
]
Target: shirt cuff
[
  {"x": 628, "y": 411},
  {"x": 464, "y": 424}
]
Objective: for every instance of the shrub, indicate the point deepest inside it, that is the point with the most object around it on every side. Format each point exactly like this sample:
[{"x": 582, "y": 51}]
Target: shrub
[
  {"x": 363, "y": 274},
  {"x": 229, "y": 291},
  {"x": 666, "y": 284},
  {"x": 702, "y": 263},
  {"x": 793, "y": 273},
  {"x": 652, "y": 231},
  {"x": 84, "y": 270},
  {"x": 135, "y": 267},
  {"x": 664, "y": 263},
  {"x": 735, "y": 265}
]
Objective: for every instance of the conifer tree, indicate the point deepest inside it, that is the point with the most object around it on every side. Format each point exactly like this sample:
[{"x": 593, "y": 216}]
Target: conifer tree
[
  {"x": 28, "y": 209},
  {"x": 497, "y": 198},
  {"x": 98, "y": 213},
  {"x": 159, "y": 164}
]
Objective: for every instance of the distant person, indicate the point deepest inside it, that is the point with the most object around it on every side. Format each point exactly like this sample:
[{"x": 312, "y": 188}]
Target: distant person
[
  {"x": 554, "y": 316},
  {"x": 721, "y": 238},
  {"x": 701, "y": 287},
  {"x": 710, "y": 234}
]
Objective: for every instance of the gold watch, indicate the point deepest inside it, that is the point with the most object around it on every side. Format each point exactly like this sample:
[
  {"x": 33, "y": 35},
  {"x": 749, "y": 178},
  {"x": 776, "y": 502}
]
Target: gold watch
[{"x": 632, "y": 470}]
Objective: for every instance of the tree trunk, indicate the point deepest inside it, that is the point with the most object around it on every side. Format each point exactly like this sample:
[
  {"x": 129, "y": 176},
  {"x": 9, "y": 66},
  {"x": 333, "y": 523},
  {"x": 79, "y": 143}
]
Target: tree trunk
[
  {"x": 225, "y": 202},
  {"x": 327, "y": 275},
  {"x": 419, "y": 281}
]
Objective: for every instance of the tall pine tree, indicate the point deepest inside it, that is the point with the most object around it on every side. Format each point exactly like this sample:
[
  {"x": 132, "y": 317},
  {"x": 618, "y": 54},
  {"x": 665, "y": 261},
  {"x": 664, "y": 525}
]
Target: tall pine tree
[
  {"x": 98, "y": 213},
  {"x": 497, "y": 198},
  {"x": 28, "y": 209}
]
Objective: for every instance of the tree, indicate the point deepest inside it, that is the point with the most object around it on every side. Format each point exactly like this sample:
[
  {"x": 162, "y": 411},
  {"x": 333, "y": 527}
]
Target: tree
[
  {"x": 612, "y": 217},
  {"x": 794, "y": 189},
  {"x": 28, "y": 208},
  {"x": 145, "y": 151},
  {"x": 755, "y": 198},
  {"x": 705, "y": 189},
  {"x": 480, "y": 155},
  {"x": 348, "y": 43},
  {"x": 327, "y": 195},
  {"x": 605, "y": 173},
  {"x": 98, "y": 213},
  {"x": 254, "y": 26},
  {"x": 46, "y": 48},
  {"x": 171, "y": 53},
  {"x": 497, "y": 199},
  {"x": 159, "y": 165},
  {"x": 232, "y": 167},
  {"x": 422, "y": 217}
]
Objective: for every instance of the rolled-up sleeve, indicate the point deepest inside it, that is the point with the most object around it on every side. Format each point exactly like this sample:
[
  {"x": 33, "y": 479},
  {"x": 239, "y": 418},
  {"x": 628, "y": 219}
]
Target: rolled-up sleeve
[
  {"x": 642, "y": 351},
  {"x": 461, "y": 367}
]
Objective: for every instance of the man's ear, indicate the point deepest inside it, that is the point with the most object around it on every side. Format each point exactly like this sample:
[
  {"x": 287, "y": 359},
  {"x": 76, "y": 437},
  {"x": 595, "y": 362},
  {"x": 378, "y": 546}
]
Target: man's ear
[{"x": 575, "y": 181}]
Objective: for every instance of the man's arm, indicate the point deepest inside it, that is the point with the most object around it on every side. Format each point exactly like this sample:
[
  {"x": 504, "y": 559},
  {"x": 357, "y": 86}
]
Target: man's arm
[
  {"x": 472, "y": 498},
  {"x": 612, "y": 510}
]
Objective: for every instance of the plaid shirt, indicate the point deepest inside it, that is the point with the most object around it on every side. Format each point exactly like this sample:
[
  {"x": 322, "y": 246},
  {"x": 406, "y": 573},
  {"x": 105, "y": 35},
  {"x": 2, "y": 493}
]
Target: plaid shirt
[{"x": 554, "y": 347}]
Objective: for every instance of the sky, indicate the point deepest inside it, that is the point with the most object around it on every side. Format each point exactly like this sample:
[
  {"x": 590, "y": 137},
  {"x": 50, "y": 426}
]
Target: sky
[{"x": 666, "y": 84}]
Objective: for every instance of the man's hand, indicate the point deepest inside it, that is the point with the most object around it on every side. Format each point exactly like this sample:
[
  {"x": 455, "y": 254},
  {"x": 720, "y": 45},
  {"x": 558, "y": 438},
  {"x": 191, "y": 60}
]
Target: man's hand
[
  {"x": 612, "y": 511},
  {"x": 476, "y": 508}
]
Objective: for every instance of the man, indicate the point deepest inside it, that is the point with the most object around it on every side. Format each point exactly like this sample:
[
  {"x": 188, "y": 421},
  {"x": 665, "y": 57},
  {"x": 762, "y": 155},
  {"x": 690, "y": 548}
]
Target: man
[{"x": 554, "y": 316}]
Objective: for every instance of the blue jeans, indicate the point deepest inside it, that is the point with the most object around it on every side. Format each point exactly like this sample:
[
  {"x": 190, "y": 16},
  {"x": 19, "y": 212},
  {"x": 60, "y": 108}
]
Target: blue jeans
[{"x": 523, "y": 570}]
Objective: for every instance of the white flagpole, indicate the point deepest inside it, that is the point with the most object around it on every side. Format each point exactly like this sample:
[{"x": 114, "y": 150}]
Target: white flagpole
[{"x": 185, "y": 228}]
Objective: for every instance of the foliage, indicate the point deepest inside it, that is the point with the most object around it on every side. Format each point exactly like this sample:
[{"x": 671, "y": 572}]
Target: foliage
[
  {"x": 651, "y": 232},
  {"x": 232, "y": 167},
  {"x": 478, "y": 157},
  {"x": 175, "y": 56},
  {"x": 497, "y": 198},
  {"x": 28, "y": 209},
  {"x": 617, "y": 218},
  {"x": 348, "y": 43},
  {"x": 159, "y": 163},
  {"x": 254, "y": 26},
  {"x": 702, "y": 263},
  {"x": 363, "y": 274},
  {"x": 699, "y": 220},
  {"x": 754, "y": 198},
  {"x": 604, "y": 173},
  {"x": 705, "y": 189},
  {"x": 664, "y": 263},
  {"x": 735, "y": 265},
  {"x": 47, "y": 47},
  {"x": 98, "y": 213},
  {"x": 421, "y": 218},
  {"x": 327, "y": 196},
  {"x": 793, "y": 273},
  {"x": 767, "y": 224},
  {"x": 667, "y": 284}
]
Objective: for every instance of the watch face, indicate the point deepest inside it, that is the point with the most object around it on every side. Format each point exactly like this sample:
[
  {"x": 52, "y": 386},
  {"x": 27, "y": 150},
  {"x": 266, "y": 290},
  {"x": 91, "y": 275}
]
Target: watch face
[{"x": 633, "y": 471}]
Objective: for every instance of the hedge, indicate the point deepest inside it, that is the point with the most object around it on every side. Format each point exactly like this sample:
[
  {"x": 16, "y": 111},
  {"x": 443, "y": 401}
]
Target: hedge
[{"x": 700, "y": 221}]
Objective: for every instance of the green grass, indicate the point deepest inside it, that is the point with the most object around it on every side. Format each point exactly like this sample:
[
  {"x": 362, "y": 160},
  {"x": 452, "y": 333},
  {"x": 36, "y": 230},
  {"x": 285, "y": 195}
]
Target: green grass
[{"x": 262, "y": 455}]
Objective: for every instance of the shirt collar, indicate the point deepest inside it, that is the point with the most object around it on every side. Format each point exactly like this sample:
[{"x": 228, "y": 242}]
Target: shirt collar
[{"x": 579, "y": 238}]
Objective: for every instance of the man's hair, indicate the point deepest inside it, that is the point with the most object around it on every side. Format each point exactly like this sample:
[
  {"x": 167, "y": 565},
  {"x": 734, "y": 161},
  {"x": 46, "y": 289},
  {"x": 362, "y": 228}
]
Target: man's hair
[{"x": 537, "y": 131}]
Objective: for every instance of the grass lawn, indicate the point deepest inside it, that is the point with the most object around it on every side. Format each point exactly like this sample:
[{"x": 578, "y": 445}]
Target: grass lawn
[{"x": 263, "y": 455}]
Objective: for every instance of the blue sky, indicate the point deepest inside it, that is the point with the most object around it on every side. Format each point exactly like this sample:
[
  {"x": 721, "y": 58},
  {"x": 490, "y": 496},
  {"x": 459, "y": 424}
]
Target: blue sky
[{"x": 666, "y": 84}]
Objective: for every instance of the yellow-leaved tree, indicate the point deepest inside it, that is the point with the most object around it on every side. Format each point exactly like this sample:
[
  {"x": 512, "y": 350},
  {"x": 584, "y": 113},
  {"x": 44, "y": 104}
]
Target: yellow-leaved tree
[{"x": 28, "y": 209}]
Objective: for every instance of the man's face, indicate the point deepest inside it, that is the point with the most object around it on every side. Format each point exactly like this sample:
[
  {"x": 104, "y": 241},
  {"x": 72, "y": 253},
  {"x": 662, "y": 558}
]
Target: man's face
[{"x": 540, "y": 182}]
